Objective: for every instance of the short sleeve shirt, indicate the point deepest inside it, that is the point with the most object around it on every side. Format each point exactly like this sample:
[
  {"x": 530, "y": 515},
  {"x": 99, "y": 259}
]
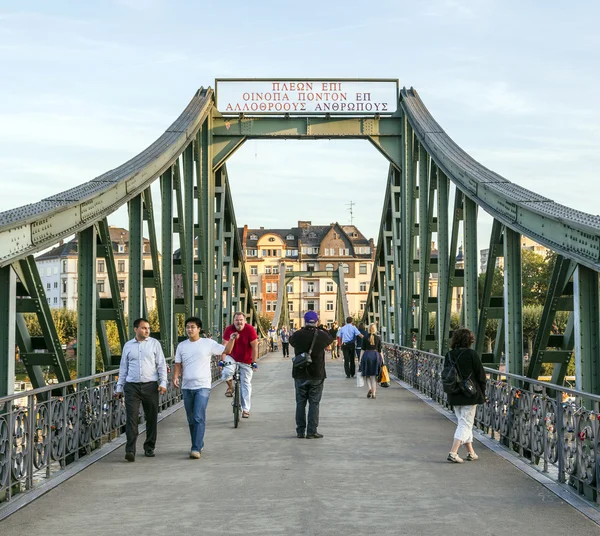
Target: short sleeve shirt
[
  {"x": 242, "y": 351},
  {"x": 195, "y": 357}
]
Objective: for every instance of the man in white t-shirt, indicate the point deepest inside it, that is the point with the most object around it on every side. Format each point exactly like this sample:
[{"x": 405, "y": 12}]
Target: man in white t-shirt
[{"x": 192, "y": 358}]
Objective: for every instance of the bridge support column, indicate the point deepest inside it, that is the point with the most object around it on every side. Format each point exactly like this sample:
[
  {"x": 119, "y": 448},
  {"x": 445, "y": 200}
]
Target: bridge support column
[
  {"x": 8, "y": 302},
  {"x": 587, "y": 330},
  {"x": 166, "y": 185},
  {"x": 136, "y": 296},
  {"x": 443, "y": 275},
  {"x": 513, "y": 302},
  {"x": 471, "y": 258},
  {"x": 86, "y": 304}
]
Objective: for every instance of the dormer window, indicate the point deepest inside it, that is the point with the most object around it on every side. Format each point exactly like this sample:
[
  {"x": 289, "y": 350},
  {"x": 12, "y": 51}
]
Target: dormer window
[
  {"x": 312, "y": 235},
  {"x": 289, "y": 237},
  {"x": 271, "y": 239},
  {"x": 253, "y": 237}
]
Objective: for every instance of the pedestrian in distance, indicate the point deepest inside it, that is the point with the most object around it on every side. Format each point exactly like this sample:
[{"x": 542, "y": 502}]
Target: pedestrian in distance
[
  {"x": 192, "y": 371},
  {"x": 468, "y": 364},
  {"x": 309, "y": 380},
  {"x": 244, "y": 352},
  {"x": 360, "y": 341},
  {"x": 347, "y": 334},
  {"x": 142, "y": 377},
  {"x": 285, "y": 341},
  {"x": 371, "y": 362},
  {"x": 334, "y": 345}
]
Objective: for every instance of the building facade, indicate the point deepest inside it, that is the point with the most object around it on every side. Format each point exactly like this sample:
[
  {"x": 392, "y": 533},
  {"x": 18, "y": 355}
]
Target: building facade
[
  {"x": 526, "y": 243},
  {"x": 311, "y": 248},
  {"x": 58, "y": 271}
]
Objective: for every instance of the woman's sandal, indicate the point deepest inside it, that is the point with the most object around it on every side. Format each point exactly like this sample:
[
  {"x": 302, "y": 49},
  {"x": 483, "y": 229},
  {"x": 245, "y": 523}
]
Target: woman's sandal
[
  {"x": 229, "y": 393},
  {"x": 369, "y": 394}
]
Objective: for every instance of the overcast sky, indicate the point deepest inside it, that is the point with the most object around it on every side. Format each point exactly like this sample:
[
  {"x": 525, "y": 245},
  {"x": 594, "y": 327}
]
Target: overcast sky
[{"x": 87, "y": 85}]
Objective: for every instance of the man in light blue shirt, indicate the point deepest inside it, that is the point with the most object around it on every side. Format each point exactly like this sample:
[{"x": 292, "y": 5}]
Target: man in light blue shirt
[
  {"x": 142, "y": 376},
  {"x": 348, "y": 334}
]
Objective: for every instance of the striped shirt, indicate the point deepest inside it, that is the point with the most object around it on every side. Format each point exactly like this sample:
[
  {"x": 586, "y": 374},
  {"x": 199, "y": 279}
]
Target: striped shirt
[{"x": 141, "y": 362}]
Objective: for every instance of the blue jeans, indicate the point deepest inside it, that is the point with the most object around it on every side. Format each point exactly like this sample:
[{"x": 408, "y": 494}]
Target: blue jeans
[
  {"x": 308, "y": 391},
  {"x": 195, "y": 402}
]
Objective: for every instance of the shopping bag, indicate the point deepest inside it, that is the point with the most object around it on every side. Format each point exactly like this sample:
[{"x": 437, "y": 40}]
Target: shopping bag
[
  {"x": 385, "y": 376},
  {"x": 360, "y": 381}
]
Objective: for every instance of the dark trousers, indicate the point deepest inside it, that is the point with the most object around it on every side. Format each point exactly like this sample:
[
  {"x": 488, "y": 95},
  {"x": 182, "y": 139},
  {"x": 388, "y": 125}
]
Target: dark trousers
[
  {"x": 286, "y": 349},
  {"x": 349, "y": 350},
  {"x": 147, "y": 394},
  {"x": 308, "y": 391}
]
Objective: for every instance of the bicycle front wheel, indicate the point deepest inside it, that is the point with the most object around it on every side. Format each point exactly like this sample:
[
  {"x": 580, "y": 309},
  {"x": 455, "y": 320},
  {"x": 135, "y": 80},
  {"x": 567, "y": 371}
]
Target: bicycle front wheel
[{"x": 237, "y": 405}]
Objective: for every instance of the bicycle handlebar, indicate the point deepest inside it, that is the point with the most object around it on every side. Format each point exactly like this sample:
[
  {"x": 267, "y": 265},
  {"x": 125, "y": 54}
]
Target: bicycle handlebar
[{"x": 229, "y": 364}]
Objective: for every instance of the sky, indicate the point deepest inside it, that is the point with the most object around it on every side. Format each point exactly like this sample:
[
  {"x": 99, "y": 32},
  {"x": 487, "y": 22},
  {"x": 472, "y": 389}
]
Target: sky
[{"x": 88, "y": 85}]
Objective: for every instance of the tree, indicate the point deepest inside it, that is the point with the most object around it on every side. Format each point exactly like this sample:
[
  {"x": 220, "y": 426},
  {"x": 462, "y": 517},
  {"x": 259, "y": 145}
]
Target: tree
[
  {"x": 534, "y": 278},
  {"x": 264, "y": 321},
  {"x": 497, "y": 283}
]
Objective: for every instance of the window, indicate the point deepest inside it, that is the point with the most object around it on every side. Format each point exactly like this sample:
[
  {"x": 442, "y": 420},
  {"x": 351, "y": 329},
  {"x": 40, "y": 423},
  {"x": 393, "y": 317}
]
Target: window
[
  {"x": 64, "y": 302},
  {"x": 289, "y": 268},
  {"x": 121, "y": 248},
  {"x": 291, "y": 307},
  {"x": 64, "y": 285},
  {"x": 310, "y": 266},
  {"x": 310, "y": 305},
  {"x": 329, "y": 267},
  {"x": 100, "y": 286},
  {"x": 48, "y": 271},
  {"x": 101, "y": 266},
  {"x": 291, "y": 253},
  {"x": 64, "y": 266},
  {"x": 312, "y": 235},
  {"x": 271, "y": 239},
  {"x": 267, "y": 269},
  {"x": 121, "y": 285},
  {"x": 329, "y": 286},
  {"x": 55, "y": 301},
  {"x": 290, "y": 287},
  {"x": 268, "y": 289},
  {"x": 254, "y": 289},
  {"x": 275, "y": 269},
  {"x": 329, "y": 306},
  {"x": 269, "y": 306},
  {"x": 48, "y": 286},
  {"x": 253, "y": 237},
  {"x": 346, "y": 268},
  {"x": 121, "y": 266},
  {"x": 362, "y": 268},
  {"x": 274, "y": 286},
  {"x": 56, "y": 284},
  {"x": 253, "y": 270},
  {"x": 55, "y": 270},
  {"x": 310, "y": 286},
  {"x": 344, "y": 251},
  {"x": 252, "y": 252},
  {"x": 363, "y": 305},
  {"x": 363, "y": 287},
  {"x": 289, "y": 237}
]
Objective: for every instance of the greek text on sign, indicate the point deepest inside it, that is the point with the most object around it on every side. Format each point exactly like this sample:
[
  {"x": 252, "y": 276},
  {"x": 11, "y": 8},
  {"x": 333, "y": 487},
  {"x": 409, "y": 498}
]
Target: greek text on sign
[{"x": 305, "y": 97}]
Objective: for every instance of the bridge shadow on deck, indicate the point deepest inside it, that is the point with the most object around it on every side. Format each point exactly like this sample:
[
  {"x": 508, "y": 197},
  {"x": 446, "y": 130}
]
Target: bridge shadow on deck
[{"x": 380, "y": 469}]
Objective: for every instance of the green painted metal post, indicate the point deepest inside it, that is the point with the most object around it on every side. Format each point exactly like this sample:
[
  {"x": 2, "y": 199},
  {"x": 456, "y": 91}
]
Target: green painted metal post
[
  {"x": 206, "y": 240},
  {"x": 190, "y": 229},
  {"x": 423, "y": 320},
  {"x": 395, "y": 204},
  {"x": 471, "y": 259},
  {"x": 220, "y": 250},
  {"x": 587, "y": 330},
  {"x": 166, "y": 185},
  {"x": 513, "y": 302},
  {"x": 442, "y": 235},
  {"x": 8, "y": 300},
  {"x": 86, "y": 303},
  {"x": 457, "y": 216},
  {"x": 136, "y": 296}
]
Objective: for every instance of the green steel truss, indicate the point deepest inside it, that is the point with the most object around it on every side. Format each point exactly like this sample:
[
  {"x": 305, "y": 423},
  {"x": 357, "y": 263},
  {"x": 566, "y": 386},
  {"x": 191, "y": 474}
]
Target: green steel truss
[{"x": 435, "y": 194}]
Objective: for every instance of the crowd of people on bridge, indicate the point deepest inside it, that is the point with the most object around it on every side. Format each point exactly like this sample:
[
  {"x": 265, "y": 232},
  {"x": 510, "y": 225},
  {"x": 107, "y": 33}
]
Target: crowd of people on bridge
[{"x": 143, "y": 375}]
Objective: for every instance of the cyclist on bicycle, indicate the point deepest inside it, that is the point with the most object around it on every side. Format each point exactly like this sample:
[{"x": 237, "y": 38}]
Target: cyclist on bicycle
[{"x": 245, "y": 352}]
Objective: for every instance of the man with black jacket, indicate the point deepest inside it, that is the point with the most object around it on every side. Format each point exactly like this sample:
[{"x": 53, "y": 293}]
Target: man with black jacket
[{"x": 309, "y": 380}]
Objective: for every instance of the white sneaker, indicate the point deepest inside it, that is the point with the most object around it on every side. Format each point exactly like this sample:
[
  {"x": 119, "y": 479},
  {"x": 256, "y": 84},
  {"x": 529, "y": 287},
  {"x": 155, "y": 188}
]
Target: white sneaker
[
  {"x": 471, "y": 457},
  {"x": 194, "y": 455},
  {"x": 454, "y": 458}
]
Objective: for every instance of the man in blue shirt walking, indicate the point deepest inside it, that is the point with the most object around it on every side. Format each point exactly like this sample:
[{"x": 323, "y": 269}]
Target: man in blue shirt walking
[{"x": 348, "y": 334}]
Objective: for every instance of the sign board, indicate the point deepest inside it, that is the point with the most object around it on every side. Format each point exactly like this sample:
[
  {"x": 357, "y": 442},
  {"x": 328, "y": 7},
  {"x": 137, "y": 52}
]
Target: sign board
[{"x": 306, "y": 97}]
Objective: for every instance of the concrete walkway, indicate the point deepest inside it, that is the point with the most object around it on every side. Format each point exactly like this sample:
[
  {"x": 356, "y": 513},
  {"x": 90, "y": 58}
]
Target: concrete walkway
[{"x": 380, "y": 469}]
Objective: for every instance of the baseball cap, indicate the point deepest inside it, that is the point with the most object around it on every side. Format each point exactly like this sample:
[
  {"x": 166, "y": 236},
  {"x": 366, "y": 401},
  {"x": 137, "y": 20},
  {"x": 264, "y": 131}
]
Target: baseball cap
[{"x": 310, "y": 317}]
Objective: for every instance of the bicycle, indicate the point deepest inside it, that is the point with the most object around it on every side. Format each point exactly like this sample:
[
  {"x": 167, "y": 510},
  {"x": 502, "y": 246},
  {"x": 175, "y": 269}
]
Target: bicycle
[{"x": 236, "y": 402}]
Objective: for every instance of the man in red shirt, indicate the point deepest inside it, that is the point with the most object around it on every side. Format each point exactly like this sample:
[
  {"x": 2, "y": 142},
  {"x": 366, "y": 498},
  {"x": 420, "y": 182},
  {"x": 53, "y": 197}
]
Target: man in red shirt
[{"x": 244, "y": 352}]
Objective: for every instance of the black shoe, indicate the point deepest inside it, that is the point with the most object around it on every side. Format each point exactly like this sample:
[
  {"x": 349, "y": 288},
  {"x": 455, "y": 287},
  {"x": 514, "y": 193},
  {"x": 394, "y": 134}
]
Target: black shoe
[
  {"x": 300, "y": 436},
  {"x": 316, "y": 435},
  {"x": 130, "y": 456},
  {"x": 149, "y": 453},
  {"x": 347, "y": 376}
]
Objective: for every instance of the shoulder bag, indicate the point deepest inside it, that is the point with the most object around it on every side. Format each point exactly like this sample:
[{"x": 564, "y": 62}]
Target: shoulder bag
[{"x": 305, "y": 358}]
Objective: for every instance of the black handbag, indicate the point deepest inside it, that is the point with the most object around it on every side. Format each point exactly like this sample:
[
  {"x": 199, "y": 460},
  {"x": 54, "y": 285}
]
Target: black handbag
[{"x": 305, "y": 358}]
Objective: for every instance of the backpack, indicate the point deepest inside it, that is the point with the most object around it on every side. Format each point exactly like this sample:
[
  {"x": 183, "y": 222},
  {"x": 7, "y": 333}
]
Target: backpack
[{"x": 452, "y": 381}]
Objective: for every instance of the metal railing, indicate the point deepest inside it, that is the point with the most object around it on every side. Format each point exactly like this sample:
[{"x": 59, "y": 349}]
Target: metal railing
[
  {"x": 553, "y": 428},
  {"x": 44, "y": 430}
]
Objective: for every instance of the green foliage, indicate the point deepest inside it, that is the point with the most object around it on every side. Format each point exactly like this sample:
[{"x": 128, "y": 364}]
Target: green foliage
[
  {"x": 264, "y": 321},
  {"x": 497, "y": 283}
]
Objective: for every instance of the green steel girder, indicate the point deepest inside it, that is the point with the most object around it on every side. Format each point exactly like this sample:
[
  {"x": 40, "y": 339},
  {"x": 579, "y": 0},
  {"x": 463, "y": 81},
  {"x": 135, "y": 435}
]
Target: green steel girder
[
  {"x": 8, "y": 300},
  {"x": 471, "y": 257},
  {"x": 513, "y": 302},
  {"x": 229, "y": 133},
  {"x": 486, "y": 299},
  {"x": 223, "y": 271},
  {"x": 152, "y": 278},
  {"x": 109, "y": 308},
  {"x": 185, "y": 266},
  {"x": 136, "y": 297},
  {"x": 546, "y": 337},
  {"x": 443, "y": 273},
  {"x": 37, "y": 351},
  {"x": 189, "y": 192},
  {"x": 166, "y": 190},
  {"x": 395, "y": 201},
  {"x": 587, "y": 329},
  {"x": 86, "y": 302}
]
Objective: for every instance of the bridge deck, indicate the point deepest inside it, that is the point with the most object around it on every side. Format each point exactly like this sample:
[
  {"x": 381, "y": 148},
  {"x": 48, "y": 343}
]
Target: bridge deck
[{"x": 379, "y": 470}]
